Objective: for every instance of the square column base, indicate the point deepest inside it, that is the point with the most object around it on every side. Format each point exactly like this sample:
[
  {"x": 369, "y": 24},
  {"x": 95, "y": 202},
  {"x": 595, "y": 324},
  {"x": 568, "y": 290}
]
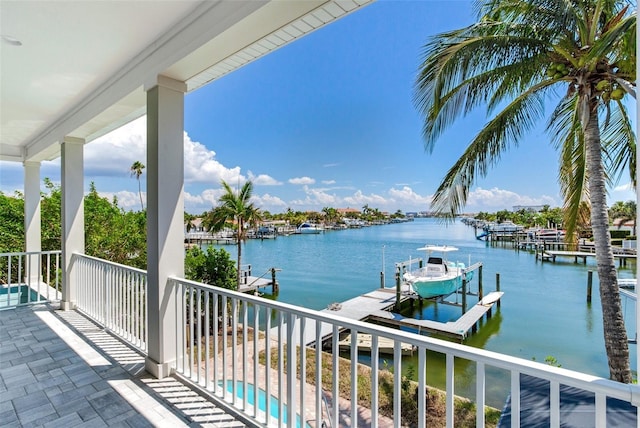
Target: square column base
[
  {"x": 67, "y": 306},
  {"x": 160, "y": 371}
]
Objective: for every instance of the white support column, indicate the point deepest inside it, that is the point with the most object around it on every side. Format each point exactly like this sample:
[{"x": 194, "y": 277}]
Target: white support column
[
  {"x": 32, "y": 224},
  {"x": 72, "y": 175},
  {"x": 165, "y": 217},
  {"x": 637, "y": 288}
]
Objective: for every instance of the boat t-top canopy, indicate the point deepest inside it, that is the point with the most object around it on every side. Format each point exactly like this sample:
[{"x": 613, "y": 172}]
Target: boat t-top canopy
[{"x": 442, "y": 248}]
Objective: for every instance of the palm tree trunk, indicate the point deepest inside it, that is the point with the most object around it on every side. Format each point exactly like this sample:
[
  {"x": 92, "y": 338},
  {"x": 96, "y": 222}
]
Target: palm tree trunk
[
  {"x": 239, "y": 238},
  {"x": 140, "y": 194},
  {"x": 615, "y": 334}
]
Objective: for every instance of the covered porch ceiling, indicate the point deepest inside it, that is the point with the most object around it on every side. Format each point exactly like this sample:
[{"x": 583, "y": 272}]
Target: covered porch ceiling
[{"x": 79, "y": 68}]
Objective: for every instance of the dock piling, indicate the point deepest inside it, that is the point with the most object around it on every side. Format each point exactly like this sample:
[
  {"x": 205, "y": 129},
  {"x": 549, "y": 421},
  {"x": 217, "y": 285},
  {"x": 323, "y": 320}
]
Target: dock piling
[
  {"x": 498, "y": 285},
  {"x": 398, "y": 288},
  {"x": 274, "y": 284},
  {"x": 589, "y": 285},
  {"x": 480, "y": 293},
  {"x": 464, "y": 294}
]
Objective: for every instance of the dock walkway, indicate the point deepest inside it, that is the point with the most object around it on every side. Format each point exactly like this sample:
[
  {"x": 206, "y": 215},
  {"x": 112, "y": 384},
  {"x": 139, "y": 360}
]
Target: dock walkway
[
  {"x": 357, "y": 308},
  {"x": 553, "y": 254},
  {"x": 375, "y": 306},
  {"x": 253, "y": 283},
  {"x": 458, "y": 329}
]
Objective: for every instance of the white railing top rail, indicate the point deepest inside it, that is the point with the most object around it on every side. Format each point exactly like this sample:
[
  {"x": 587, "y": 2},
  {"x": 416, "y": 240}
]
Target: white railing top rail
[
  {"x": 626, "y": 392},
  {"x": 106, "y": 262},
  {"x": 28, "y": 253}
]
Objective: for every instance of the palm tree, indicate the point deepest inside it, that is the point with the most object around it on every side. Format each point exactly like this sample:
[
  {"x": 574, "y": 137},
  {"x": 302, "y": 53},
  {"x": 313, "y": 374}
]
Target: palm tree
[
  {"x": 136, "y": 171},
  {"x": 330, "y": 214},
  {"x": 624, "y": 212},
  {"x": 188, "y": 221},
  {"x": 235, "y": 210},
  {"x": 521, "y": 53}
]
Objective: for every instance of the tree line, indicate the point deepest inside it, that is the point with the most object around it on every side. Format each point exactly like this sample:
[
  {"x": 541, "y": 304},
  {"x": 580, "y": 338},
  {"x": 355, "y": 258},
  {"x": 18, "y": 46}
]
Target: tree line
[{"x": 111, "y": 232}]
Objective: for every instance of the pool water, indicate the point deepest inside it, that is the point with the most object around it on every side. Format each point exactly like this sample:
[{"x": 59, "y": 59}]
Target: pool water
[
  {"x": 262, "y": 401},
  {"x": 17, "y": 295}
]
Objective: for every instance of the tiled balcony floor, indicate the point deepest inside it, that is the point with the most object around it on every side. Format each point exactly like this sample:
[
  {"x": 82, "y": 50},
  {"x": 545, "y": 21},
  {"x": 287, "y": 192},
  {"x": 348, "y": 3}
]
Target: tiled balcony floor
[{"x": 58, "y": 369}]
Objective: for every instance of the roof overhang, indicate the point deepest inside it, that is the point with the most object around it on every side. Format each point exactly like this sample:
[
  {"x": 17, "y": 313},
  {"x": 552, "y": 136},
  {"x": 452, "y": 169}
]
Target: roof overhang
[{"x": 82, "y": 67}]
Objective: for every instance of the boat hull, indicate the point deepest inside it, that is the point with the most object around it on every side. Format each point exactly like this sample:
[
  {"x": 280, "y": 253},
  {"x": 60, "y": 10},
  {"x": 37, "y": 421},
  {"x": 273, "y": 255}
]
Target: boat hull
[
  {"x": 427, "y": 286},
  {"x": 309, "y": 231},
  {"x": 435, "y": 288}
]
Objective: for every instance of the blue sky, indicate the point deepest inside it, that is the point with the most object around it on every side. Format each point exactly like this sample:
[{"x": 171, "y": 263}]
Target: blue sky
[{"x": 328, "y": 120}]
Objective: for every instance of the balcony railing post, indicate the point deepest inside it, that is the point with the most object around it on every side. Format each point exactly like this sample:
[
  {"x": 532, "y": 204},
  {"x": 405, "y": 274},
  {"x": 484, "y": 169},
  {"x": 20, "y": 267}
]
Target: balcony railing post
[{"x": 106, "y": 304}]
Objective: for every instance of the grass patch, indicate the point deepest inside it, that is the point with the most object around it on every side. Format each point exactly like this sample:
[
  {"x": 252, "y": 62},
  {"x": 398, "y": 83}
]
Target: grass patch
[
  {"x": 464, "y": 409},
  {"x": 220, "y": 338}
]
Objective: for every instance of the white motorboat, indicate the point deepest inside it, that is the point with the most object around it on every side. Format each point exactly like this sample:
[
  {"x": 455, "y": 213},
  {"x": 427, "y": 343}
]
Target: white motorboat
[
  {"x": 309, "y": 228},
  {"x": 439, "y": 277}
]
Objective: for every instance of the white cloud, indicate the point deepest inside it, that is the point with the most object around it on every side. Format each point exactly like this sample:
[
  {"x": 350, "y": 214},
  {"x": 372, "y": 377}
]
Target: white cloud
[
  {"x": 207, "y": 199},
  {"x": 268, "y": 202},
  {"x": 330, "y": 165},
  {"x": 263, "y": 180},
  {"x": 316, "y": 199},
  {"x": 373, "y": 200},
  {"x": 121, "y": 147},
  {"x": 407, "y": 197},
  {"x": 200, "y": 165},
  {"x": 328, "y": 182},
  {"x": 126, "y": 200},
  {"x": 495, "y": 199},
  {"x": 320, "y": 195},
  {"x": 302, "y": 180},
  {"x": 624, "y": 192},
  {"x": 128, "y": 144}
]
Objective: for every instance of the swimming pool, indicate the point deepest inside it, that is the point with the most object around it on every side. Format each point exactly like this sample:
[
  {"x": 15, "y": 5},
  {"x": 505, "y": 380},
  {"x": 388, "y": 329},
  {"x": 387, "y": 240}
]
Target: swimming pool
[
  {"x": 262, "y": 401},
  {"x": 17, "y": 295}
]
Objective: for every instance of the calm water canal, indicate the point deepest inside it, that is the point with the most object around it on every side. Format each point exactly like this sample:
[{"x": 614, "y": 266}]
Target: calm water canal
[{"x": 543, "y": 313}]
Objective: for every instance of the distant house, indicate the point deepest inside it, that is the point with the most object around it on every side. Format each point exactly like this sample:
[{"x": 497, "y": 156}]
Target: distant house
[
  {"x": 345, "y": 211},
  {"x": 195, "y": 226},
  {"x": 621, "y": 224}
]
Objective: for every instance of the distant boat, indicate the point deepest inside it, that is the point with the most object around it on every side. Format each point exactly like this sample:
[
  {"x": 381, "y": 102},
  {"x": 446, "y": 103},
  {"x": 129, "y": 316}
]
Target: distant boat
[
  {"x": 265, "y": 232},
  {"x": 440, "y": 277},
  {"x": 504, "y": 227},
  {"x": 365, "y": 343},
  {"x": 309, "y": 228},
  {"x": 549, "y": 234}
]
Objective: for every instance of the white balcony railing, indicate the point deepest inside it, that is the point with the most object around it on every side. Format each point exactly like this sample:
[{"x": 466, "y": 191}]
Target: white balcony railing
[
  {"x": 241, "y": 348},
  {"x": 29, "y": 277},
  {"x": 215, "y": 353},
  {"x": 114, "y": 296}
]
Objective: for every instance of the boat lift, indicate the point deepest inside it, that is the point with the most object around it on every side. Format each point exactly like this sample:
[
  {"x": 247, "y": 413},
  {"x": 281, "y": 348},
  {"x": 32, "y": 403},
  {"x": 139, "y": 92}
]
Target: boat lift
[{"x": 401, "y": 268}]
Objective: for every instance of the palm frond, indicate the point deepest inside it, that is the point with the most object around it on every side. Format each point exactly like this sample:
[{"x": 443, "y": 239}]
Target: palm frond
[
  {"x": 619, "y": 145},
  {"x": 506, "y": 129},
  {"x": 565, "y": 128}
]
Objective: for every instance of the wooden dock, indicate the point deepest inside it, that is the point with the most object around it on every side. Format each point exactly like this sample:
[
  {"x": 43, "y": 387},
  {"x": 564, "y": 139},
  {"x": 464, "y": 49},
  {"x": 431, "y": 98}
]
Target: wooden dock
[
  {"x": 201, "y": 238},
  {"x": 458, "y": 329},
  {"x": 554, "y": 254},
  {"x": 252, "y": 284},
  {"x": 357, "y": 308},
  {"x": 376, "y": 306}
]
